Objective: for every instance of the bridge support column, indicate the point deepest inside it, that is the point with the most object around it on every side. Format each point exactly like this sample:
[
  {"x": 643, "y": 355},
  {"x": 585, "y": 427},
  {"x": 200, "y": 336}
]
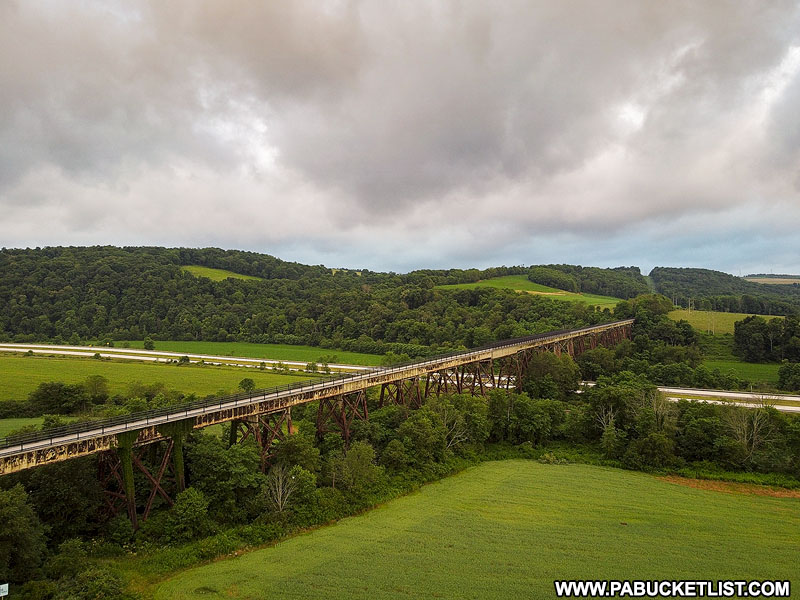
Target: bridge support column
[
  {"x": 448, "y": 381},
  {"x": 483, "y": 377},
  {"x": 233, "y": 433},
  {"x": 156, "y": 480},
  {"x": 125, "y": 454},
  {"x": 265, "y": 430},
  {"x": 116, "y": 469},
  {"x": 513, "y": 368},
  {"x": 341, "y": 410},
  {"x": 177, "y": 433},
  {"x": 404, "y": 393}
]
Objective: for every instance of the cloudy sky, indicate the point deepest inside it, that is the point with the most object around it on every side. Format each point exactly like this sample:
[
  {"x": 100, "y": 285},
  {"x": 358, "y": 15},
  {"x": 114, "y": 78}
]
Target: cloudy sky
[{"x": 399, "y": 135}]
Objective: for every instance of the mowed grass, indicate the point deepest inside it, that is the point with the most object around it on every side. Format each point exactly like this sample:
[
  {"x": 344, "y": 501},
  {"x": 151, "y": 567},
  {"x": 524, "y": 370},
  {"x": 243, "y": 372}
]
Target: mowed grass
[
  {"x": 521, "y": 283},
  {"x": 711, "y": 321},
  {"x": 22, "y": 374},
  {"x": 9, "y": 425},
  {"x": 507, "y": 530},
  {"x": 266, "y": 351},
  {"x": 765, "y": 372},
  {"x": 217, "y": 274}
]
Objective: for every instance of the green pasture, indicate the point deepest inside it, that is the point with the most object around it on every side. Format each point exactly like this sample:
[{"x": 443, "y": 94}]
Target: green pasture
[
  {"x": 22, "y": 374},
  {"x": 507, "y": 530},
  {"x": 755, "y": 372},
  {"x": 521, "y": 283},
  {"x": 9, "y": 425},
  {"x": 217, "y": 274},
  {"x": 267, "y": 351},
  {"x": 711, "y": 321}
]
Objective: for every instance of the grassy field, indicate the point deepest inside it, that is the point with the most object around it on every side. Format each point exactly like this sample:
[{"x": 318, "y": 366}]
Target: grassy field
[
  {"x": 752, "y": 371},
  {"x": 268, "y": 351},
  {"x": 216, "y": 274},
  {"x": 521, "y": 283},
  {"x": 22, "y": 374},
  {"x": 9, "y": 425},
  {"x": 507, "y": 530},
  {"x": 711, "y": 321}
]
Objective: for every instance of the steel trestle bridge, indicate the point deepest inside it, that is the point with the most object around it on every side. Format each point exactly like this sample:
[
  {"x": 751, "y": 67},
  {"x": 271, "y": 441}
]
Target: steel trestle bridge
[{"x": 265, "y": 415}]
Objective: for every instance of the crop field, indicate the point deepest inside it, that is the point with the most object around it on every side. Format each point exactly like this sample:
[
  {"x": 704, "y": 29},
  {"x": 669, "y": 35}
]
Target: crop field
[
  {"x": 22, "y": 374},
  {"x": 217, "y": 274},
  {"x": 507, "y": 530},
  {"x": 711, "y": 321},
  {"x": 755, "y": 372},
  {"x": 521, "y": 283},
  {"x": 266, "y": 351}
]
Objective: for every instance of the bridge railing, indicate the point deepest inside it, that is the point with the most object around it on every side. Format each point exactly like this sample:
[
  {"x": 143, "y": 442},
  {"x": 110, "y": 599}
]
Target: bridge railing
[{"x": 156, "y": 416}]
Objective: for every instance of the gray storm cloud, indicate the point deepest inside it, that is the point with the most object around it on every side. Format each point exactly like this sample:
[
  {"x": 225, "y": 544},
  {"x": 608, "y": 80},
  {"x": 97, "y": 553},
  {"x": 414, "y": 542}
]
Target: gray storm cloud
[{"x": 367, "y": 129}]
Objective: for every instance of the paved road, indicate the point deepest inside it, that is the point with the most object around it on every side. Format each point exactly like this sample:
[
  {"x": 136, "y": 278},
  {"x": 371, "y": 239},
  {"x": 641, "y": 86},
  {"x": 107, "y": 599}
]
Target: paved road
[
  {"x": 725, "y": 397},
  {"x": 155, "y": 356},
  {"x": 735, "y": 395},
  {"x": 787, "y": 408}
]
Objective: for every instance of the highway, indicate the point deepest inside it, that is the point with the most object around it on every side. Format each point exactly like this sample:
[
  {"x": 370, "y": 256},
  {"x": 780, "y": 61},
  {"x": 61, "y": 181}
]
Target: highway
[
  {"x": 156, "y": 356},
  {"x": 727, "y": 397}
]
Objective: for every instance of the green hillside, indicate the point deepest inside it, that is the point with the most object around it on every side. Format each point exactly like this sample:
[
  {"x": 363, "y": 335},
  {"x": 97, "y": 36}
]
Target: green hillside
[
  {"x": 521, "y": 283},
  {"x": 711, "y": 321},
  {"x": 507, "y": 530}
]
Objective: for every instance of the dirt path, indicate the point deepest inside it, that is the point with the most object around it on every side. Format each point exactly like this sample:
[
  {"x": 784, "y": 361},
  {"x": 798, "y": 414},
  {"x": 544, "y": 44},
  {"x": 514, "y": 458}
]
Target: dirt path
[{"x": 729, "y": 487}]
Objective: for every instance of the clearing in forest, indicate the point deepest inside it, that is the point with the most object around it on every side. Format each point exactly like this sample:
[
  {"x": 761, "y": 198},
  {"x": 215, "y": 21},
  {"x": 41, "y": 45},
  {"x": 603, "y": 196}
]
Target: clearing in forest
[
  {"x": 712, "y": 321},
  {"x": 217, "y": 274}
]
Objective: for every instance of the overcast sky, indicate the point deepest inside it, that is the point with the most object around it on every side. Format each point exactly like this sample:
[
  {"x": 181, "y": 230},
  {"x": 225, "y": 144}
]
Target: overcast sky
[{"x": 402, "y": 135}]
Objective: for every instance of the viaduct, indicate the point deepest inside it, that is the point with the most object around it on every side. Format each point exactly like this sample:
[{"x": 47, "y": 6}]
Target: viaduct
[{"x": 265, "y": 415}]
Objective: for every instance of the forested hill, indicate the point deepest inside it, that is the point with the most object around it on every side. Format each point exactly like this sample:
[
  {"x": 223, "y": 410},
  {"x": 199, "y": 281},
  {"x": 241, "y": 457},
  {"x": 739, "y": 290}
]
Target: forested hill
[
  {"x": 620, "y": 282},
  {"x": 78, "y": 294},
  {"x": 720, "y": 291}
]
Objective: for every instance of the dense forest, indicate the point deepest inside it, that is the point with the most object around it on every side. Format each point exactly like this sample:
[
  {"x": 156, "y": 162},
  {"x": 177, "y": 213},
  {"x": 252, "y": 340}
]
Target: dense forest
[
  {"x": 76, "y": 294},
  {"x": 714, "y": 290},
  {"x": 620, "y": 282}
]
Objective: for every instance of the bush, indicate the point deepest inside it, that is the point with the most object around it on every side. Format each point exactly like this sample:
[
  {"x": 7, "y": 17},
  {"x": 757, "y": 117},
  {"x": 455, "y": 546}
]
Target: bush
[
  {"x": 188, "y": 518},
  {"x": 656, "y": 450},
  {"x": 39, "y": 590},
  {"x": 69, "y": 560},
  {"x": 96, "y": 583}
]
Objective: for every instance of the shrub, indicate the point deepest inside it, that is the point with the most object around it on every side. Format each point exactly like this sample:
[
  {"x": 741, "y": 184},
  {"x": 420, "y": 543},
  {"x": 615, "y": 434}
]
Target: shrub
[{"x": 188, "y": 518}]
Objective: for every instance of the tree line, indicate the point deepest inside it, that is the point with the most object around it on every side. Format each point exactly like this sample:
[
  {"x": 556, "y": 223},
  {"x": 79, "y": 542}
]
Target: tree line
[
  {"x": 619, "y": 282},
  {"x": 706, "y": 289},
  {"x": 79, "y": 294}
]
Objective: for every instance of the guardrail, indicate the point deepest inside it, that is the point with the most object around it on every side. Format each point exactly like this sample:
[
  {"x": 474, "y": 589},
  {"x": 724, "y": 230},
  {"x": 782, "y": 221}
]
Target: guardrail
[{"x": 142, "y": 419}]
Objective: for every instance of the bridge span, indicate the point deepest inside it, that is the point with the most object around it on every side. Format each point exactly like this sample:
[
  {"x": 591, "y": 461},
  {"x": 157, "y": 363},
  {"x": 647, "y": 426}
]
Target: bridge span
[{"x": 265, "y": 415}]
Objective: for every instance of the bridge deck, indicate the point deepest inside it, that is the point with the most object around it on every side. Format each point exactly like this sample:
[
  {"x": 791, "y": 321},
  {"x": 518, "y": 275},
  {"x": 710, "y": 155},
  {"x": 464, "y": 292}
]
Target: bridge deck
[{"x": 26, "y": 451}]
